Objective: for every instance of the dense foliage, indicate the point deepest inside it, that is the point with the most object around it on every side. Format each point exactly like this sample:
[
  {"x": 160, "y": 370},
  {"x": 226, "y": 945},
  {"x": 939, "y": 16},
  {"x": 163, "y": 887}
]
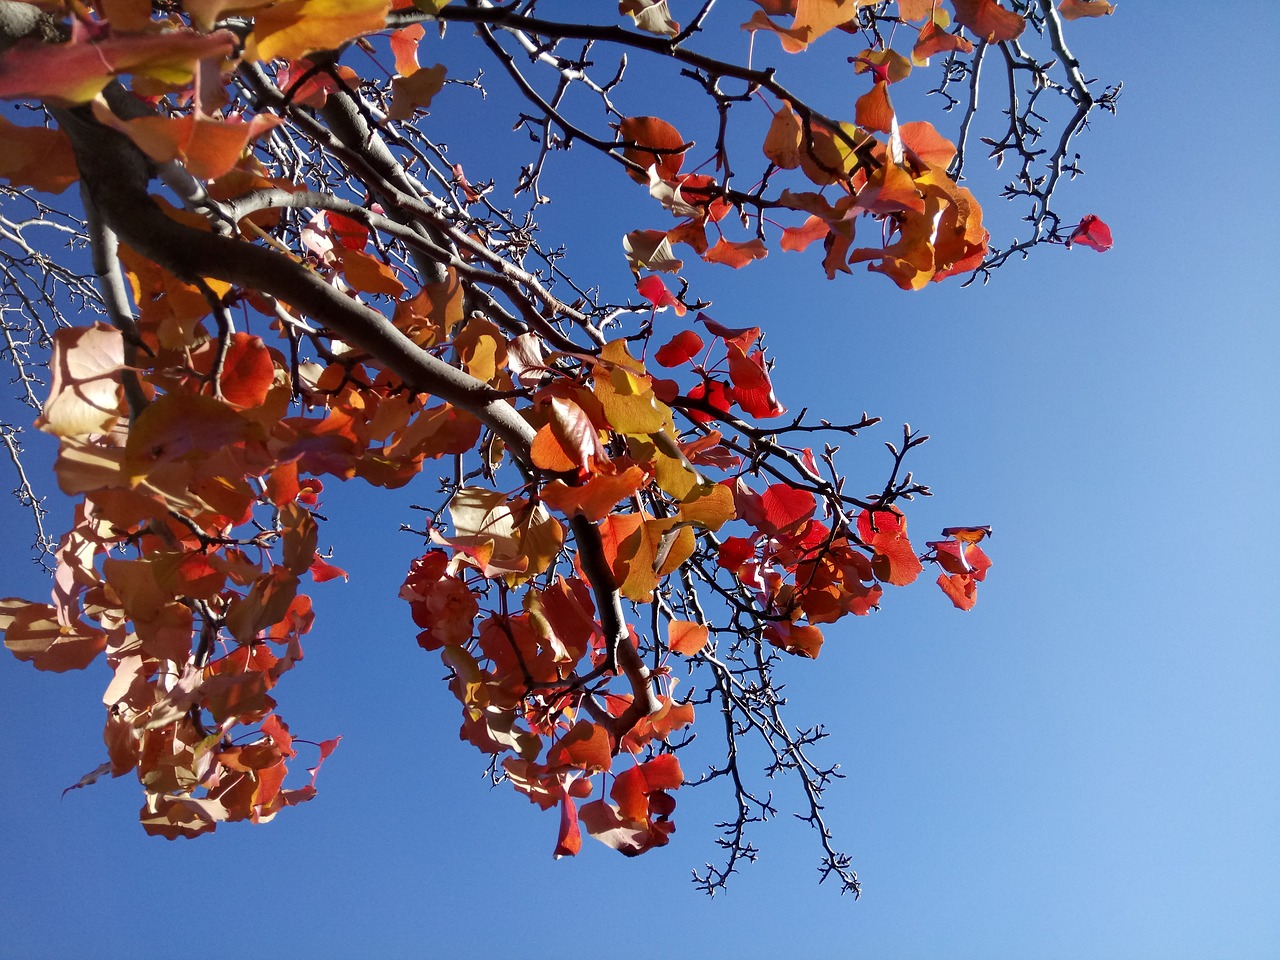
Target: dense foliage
[{"x": 276, "y": 275}]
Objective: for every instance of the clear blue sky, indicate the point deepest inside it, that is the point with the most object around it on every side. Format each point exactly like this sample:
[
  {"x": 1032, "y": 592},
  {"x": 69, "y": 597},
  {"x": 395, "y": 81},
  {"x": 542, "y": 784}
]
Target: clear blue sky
[{"x": 1086, "y": 765}]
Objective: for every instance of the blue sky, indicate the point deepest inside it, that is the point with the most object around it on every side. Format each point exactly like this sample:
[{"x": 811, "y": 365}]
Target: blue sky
[{"x": 1084, "y": 765}]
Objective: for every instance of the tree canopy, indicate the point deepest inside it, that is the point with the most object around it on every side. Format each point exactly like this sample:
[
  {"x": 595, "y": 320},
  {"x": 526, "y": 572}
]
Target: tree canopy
[{"x": 240, "y": 261}]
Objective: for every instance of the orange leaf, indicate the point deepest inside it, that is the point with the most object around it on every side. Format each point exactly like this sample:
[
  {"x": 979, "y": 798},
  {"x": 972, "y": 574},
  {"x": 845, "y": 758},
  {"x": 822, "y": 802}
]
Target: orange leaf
[
  {"x": 1075, "y": 9},
  {"x": 655, "y": 143},
  {"x": 736, "y": 255},
  {"x": 798, "y": 238},
  {"x": 782, "y": 144},
  {"x": 989, "y": 21},
  {"x": 585, "y": 747},
  {"x": 960, "y": 588},
  {"x": 404, "y": 48},
  {"x": 800, "y": 639},
  {"x": 415, "y": 91},
  {"x": 248, "y": 371},
  {"x": 32, "y": 632},
  {"x": 595, "y": 498},
  {"x": 569, "y": 841},
  {"x": 686, "y": 638},
  {"x": 793, "y": 40},
  {"x": 923, "y": 139},
  {"x": 934, "y": 39},
  {"x": 874, "y": 111},
  {"x": 368, "y": 274},
  {"x": 36, "y": 157},
  {"x": 568, "y": 440}
]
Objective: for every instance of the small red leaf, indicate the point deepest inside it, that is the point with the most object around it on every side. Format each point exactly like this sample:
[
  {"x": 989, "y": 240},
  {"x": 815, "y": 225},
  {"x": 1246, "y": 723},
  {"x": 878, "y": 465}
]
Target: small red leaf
[
  {"x": 655, "y": 291},
  {"x": 1091, "y": 232}
]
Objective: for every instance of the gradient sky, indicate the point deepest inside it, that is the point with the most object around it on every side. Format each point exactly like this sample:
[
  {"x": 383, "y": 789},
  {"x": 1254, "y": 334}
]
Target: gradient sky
[{"x": 1083, "y": 766}]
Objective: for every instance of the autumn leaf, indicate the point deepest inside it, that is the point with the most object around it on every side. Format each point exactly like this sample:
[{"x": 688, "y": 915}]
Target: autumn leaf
[
  {"x": 653, "y": 289},
  {"x": 585, "y": 747},
  {"x": 404, "y": 48},
  {"x": 1076, "y": 9},
  {"x": 736, "y": 254},
  {"x": 650, "y": 250},
  {"x": 989, "y": 21},
  {"x": 1091, "y": 232},
  {"x": 36, "y": 157},
  {"x": 76, "y": 72},
  {"x": 652, "y": 142},
  {"x": 798, "y": 238},
  {"x": 651, "y": 16},
  {"x": 874, "y": 111},
  {"x": 802, "y": 640},
  {"x": 84, "y": 396},
  {"x": 32, "y": 633},
  {"x": 679, "y": 350},
  {"x": 752, "y": 389},
  {"x": 415, "y": 91},
  {"x": 286, "y": 31},
  {"x": 208, "y": 146},
  {"x": 686, "y": 638},
  {"x": 783, "y": 142},
  {"x": 885, "y": 531}
]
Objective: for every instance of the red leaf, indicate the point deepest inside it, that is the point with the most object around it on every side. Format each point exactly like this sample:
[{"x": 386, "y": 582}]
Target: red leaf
[
  {"x": 742, "y": 337},
  {"x": 786, "y": 510},
  {"x": 1091, "y": 232},
  {"x": 752, "y": 389},
  {"x": 569, "y": 841},
  {"x": 247, "y": 371},
  {"x": 352, "y": 234},
  {"x": 322, "y": 570},
  {"x": 681, "y": 348},
  {"x": 655, "y": 291},
  {"x": 713, "y": 392}
]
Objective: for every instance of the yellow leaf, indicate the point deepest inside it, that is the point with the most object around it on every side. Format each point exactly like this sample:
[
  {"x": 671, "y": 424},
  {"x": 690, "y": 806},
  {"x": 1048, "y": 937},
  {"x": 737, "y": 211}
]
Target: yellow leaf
[{"x": 286, "y": 31}]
